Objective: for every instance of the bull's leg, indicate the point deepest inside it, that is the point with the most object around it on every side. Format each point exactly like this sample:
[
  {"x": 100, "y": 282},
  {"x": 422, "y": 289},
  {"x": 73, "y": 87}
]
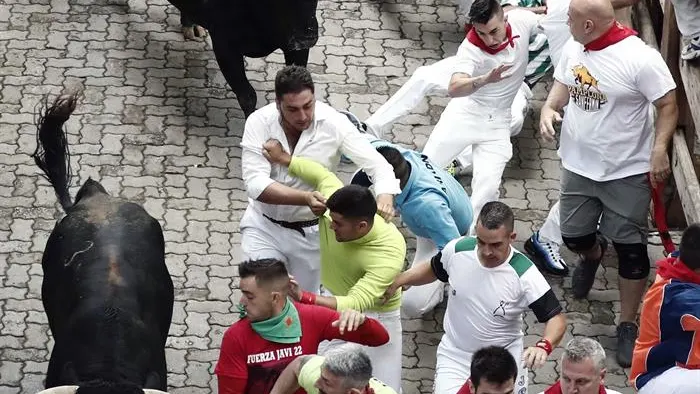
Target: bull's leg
[
  {"x": 232, "y": 65},
  {"x": 299, "y": 58},
  {"x": 191, "y": 30}
]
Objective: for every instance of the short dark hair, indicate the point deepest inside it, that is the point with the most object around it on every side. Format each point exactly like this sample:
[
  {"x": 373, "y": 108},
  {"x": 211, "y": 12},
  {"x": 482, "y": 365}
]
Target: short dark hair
[
  {"x": 495, "y": 214},
  {"x": 396, "y": 159},
  {"x": 690, "y": 246},
  {"x": 293, "y": 79},
  {"x": 353, "y": 201},
  {"x": 265, "y": 271},
  {"x": 493, "y": 364},
  {"x": 483, "y": 10}
]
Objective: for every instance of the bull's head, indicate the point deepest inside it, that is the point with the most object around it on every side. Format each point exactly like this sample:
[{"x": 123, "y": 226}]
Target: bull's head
[{"x": 72, "y": 390}]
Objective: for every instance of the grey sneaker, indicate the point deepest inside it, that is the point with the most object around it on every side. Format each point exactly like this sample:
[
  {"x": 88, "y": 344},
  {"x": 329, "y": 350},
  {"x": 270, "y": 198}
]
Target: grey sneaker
[
  {"x": 584, "y": 273},
  {"x": 627, "y": 333}
]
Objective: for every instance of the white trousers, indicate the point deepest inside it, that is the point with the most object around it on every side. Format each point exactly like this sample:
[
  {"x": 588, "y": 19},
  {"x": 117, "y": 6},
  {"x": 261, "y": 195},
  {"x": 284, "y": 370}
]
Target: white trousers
[
  {"x": 688, "y": 18},
  {"x": 418, "y": 300},
  {"x": 674, "y": 381},
  {"x": 453, "y": 367},
  {"x": 261, "y": 239},
  {"x": 551, "y": 229},
  {"x": 386, "y": 359},
  {"x": 488, "y": 132}
]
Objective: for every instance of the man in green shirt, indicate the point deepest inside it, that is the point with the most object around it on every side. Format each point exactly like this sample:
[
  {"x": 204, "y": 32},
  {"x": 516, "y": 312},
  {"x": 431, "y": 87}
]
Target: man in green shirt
[
  {"x": 360, "y": 256},
  {"x": 344, "y": 370}
]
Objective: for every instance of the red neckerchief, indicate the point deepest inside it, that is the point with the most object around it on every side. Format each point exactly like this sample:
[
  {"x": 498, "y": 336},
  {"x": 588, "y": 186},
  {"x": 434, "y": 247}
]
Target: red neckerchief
[
  {"x": 474, "y": 38},
  {"x": 673, "y": 268},
  {"x": 556, "y": 389},
  {"x": 615, "y": 34}
]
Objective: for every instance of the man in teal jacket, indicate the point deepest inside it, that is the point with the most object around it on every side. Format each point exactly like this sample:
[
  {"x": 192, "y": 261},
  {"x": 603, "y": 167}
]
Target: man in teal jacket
[{"x": 433, "y": 205}]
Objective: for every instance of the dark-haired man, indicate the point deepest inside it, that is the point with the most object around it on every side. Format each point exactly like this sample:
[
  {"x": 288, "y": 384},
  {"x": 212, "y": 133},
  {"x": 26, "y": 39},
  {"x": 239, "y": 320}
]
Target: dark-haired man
[
  {"x": 360, "y": 256},
  {"x": 492, "y": 284},
  {"x": 667, "y": 352},
  {"x": 433, "y": 205},
  {"x": 493, "y": 371},
  {"x": 490, "y": 69},
  {"x": 280, "y": 219},
  {"x": 273, "y": 330}
]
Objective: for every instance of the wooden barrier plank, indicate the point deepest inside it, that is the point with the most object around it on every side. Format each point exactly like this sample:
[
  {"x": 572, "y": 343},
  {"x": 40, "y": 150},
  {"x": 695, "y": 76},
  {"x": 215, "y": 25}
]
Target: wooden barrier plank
[{"x": 686, "y": 181}]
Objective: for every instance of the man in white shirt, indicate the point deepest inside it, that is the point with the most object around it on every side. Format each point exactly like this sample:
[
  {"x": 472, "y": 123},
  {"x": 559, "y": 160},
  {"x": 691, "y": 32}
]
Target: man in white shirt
[
  {"x": 608, "y": 149},
  {"x": 491, "y": 66},
  {"x": 280, "y": 221},
  {"x": 582, "y": 369},
  {"x": 492, "y": 285}
]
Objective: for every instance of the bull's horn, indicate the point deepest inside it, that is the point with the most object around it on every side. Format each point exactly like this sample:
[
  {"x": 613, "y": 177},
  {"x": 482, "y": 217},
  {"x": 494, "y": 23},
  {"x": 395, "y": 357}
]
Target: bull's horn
[
  {"x": 60, "y": 390},
  {"x": 152, "y": 391}
]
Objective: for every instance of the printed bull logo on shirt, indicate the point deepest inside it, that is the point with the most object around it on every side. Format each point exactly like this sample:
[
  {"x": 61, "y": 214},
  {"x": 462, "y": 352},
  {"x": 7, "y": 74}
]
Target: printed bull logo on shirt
[{"x": 586, "y": 93}]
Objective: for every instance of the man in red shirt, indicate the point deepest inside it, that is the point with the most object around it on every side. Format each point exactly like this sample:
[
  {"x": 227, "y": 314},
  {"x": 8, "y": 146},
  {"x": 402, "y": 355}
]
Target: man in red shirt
[{"x": 273, "y": 330}]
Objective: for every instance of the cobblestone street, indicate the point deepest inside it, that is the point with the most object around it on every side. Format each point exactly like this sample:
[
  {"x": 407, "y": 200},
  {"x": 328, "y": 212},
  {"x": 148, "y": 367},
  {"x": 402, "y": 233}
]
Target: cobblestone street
[{"x": 158, "y": 125}]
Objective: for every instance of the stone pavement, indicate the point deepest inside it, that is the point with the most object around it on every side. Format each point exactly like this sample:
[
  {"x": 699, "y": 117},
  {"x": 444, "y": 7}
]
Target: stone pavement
[{"x": 158, "y": 125}]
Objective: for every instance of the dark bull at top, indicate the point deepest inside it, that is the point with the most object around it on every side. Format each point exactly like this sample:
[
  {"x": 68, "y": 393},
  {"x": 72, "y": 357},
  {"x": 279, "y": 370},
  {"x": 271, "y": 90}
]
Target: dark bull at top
[{"x": 106, "y": 289}]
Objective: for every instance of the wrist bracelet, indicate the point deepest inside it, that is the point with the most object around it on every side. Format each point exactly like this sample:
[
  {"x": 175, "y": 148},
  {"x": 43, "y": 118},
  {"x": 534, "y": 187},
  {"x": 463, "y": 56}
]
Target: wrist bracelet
[
  {"x": 308, "y": 297},
  {"x": 545, "y": 345}
]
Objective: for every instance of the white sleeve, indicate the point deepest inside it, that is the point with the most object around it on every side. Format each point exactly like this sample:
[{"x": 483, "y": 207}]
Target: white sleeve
[
  {"x": 466, "y": 59},
  {"x": 654, "y": 79},
  {"x": 358, "y": 148},
  {"x": 559, "y": 70},
  {"x": 255, "y": 167}
]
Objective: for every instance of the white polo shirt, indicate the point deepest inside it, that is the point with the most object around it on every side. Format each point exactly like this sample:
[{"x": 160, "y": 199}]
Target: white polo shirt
[
  {"x": 607, "y": 133},
  {"x": 330, "y": 135},
  {"x": 473, "y": 61},
  {"x": 486, "y": 305}
]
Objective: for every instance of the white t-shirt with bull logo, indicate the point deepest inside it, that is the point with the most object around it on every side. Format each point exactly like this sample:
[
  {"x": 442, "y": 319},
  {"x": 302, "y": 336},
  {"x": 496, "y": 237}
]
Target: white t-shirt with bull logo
[{"x": 607, "y": 132}]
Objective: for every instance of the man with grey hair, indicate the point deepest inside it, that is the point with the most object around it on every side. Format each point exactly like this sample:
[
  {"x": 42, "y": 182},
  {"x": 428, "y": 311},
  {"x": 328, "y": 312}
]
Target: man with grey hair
[
  {"x": 345, "y": 369},
  {"x": 582, "y": 369}
]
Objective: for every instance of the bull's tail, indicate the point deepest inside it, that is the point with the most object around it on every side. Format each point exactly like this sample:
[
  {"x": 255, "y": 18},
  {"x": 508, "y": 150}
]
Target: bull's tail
[{"x": 52, "y": 155}]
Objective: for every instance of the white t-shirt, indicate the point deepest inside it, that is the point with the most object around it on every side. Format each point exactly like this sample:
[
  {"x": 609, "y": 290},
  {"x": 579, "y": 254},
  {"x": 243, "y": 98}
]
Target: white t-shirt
[
  {"x": 473, "y": 61},
  {"x": 607, "y": 133},
  {"x": 554, "y": 26},
  {"x": 486, "y": 305}
]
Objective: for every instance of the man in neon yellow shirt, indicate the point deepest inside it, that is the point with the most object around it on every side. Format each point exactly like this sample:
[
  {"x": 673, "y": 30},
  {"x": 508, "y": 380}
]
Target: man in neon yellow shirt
[
  {"x": 344, "y": 370},
  {"x": 360, "y": 256}
]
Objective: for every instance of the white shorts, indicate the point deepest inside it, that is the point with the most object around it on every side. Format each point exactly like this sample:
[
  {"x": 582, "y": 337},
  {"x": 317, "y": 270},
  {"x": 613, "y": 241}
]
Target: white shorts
[
  {"x": 453, "y": 366},
  {"x": 674, "y": 381}
]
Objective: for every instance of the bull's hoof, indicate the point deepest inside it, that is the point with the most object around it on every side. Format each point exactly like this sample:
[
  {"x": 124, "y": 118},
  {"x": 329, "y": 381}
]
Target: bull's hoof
[{"x": 194, "y": 32}]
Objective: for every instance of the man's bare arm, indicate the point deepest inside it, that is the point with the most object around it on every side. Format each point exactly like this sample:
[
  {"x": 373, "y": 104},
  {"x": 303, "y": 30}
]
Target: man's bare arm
[
  {"x": 279, "y": 194},
  {"x": 288, "y": 381}
]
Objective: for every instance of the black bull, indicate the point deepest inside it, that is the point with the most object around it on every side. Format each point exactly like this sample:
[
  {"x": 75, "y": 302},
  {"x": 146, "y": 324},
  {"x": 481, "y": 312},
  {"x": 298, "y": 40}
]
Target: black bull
[
  {"x": 106, "y": 289},
  {"x": 252, "y": 28}
]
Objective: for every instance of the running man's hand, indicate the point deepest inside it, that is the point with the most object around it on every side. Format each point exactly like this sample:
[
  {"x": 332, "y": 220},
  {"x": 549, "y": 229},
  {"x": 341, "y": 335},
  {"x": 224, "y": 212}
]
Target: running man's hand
[
  {"x": 496, "y": 74},
  {"x": 385, "y": 206},
  {"x": 393, "y": 287},
  {"x": 316, "y": 202},
  {"x": 274, "y": 152},
  {"x": 295, "y": 290},
  {"x": 547, "y": 118},
  {"x": 534, "y": 357},
  {"x": 349, "y": 320},
  {"x": 660, "y": 167}
]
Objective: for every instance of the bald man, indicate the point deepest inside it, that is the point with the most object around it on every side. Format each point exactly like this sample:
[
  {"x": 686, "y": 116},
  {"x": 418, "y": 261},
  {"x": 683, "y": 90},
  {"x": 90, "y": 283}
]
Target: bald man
[{"x": 609, "y": 150}]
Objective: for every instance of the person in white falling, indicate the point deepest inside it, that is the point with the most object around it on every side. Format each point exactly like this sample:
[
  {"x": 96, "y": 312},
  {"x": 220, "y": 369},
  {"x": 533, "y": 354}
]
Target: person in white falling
[
  {"x": 280, "y": 220},
  {"x": 435, "y": 79},
  {"x": 490, "y": 69}
]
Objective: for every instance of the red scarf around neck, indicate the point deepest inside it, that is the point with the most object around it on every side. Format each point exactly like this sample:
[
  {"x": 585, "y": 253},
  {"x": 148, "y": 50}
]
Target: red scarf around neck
[
  {"x": 673, "y": 268},
  {"x": 556, "y": 389},
  {"x": 615, "y": 34},
  {"x": 474, "y": 38}
]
